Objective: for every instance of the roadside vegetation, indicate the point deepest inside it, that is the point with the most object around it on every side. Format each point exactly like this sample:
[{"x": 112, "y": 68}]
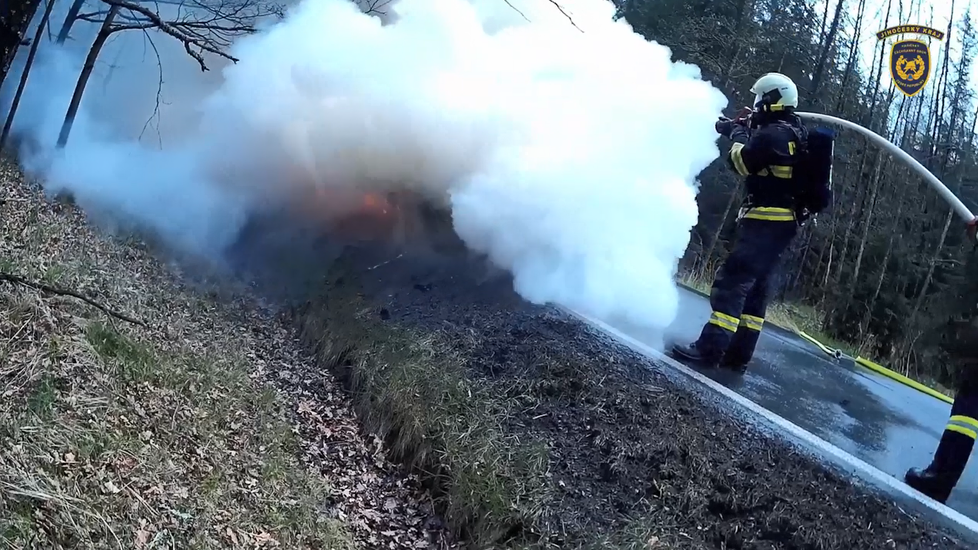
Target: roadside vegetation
[{"x": 153, "y": 434}]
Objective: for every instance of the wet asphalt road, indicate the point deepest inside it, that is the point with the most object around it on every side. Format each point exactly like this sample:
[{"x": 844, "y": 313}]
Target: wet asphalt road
[{"x": 879, "y": 420}]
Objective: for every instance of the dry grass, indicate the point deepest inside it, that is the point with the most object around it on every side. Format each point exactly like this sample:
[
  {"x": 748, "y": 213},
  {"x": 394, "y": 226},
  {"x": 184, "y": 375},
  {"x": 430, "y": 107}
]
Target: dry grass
[
  {"x": 109, "y": 441},
  {"x": 413, "y": 390},
  {"x": 118, "y": 436}
]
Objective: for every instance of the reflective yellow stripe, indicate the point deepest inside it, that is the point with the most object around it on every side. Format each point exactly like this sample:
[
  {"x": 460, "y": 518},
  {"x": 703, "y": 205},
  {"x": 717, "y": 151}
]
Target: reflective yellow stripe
[
  {"x": 964, "y": 420},
  {"x": 771, "y": 214},
  {"x": 960, "y": 430},
  {"x": 792, "y": 147},
  {"x": 751, "y": 322},
  {"x": 724, "y": 321},
  {"x": 783, "y": 172},
  {"x": 738, "y": 160},
  {"x": 772, "y": 210}
]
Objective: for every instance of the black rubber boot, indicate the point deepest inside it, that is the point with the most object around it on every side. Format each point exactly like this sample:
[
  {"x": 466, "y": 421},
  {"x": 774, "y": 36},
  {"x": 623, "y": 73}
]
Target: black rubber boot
[
  {"x": 951, "y": 457},
  {"x": 692, "y": 353},
  {"x": 736, "y": 364},
  {"x": 936, "y": 485}
]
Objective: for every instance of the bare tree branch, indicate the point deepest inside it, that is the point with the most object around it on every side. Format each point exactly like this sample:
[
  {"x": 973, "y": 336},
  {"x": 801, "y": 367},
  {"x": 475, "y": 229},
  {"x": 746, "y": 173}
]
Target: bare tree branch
[
  {"x": 569, "y": 18},
  {"x": 17, "y": 279},
  {"x": 555, "y": 3},
  {"x": 188, "y": 32},
  {"x": 159, "y": 93},
  {"x": 517, "y": 10},
  {"x": 374, "y": 7}
]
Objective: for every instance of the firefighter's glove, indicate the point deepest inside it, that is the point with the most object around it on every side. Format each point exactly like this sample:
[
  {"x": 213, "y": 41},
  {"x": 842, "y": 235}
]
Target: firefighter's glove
[{"x": 724, "y": 126}]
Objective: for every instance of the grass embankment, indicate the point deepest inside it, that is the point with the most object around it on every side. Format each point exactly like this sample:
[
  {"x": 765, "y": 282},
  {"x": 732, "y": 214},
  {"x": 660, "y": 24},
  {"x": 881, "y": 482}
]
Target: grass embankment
[
  {"x": 113, "y": 435},
  {"x": 412, "y": 387},
  {"x": 430, "y": 395}
]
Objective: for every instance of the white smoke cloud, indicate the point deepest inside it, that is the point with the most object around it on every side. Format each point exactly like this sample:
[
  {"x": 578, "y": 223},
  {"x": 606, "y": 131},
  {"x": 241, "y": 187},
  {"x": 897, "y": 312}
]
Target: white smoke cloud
[{"x": 568, "y": 157}]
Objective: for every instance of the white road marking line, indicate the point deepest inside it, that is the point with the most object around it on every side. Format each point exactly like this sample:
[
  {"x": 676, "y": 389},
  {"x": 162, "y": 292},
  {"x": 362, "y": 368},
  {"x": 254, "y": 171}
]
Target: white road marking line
[{"x": 867, "y": 470}]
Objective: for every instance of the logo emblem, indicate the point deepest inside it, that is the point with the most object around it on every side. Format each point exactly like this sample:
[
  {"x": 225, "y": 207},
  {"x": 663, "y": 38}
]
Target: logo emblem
[
  {"x": 910, "y": 59},
  {"x": 910, "y": 66}
]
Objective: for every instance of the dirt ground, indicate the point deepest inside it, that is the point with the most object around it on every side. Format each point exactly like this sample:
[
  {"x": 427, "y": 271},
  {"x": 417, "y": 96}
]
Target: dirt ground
[{"x": 588, "y": 446}]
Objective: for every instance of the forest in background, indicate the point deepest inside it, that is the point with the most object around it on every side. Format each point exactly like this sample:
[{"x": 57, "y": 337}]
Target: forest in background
[{"x": 888, "y": 272}]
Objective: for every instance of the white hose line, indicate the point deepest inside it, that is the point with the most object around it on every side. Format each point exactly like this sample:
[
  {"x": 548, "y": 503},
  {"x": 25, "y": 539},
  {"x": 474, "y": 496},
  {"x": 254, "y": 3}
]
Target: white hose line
[{"x": 962, "y": 211}]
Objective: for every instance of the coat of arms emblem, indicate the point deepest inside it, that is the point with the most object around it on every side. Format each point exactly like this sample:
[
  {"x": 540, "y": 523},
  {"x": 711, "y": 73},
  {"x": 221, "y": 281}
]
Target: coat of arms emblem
[{"x": 910, "y": 59}]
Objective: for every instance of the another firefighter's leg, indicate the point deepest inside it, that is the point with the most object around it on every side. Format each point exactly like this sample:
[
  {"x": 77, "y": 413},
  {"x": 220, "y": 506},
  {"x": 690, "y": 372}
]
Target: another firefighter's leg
[
  {"x": 741, "y": 348},
  {"x": 727, "y": 296},
  {"x": 957, "y": 441}
]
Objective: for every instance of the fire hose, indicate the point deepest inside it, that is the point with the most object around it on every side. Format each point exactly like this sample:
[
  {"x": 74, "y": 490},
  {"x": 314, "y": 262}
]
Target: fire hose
[{"x": 949, "y": 197}]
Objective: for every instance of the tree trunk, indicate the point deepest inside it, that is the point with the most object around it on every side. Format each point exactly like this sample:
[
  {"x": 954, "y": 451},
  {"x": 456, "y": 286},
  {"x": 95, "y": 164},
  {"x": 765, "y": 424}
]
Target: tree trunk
[
  {"x": 723, "y": 222},
  {"x": 825, "y": 20},
  {"x": 804, "y": 258},
  {"x": 69, "y": 21},
  {"x": 853, "y": 50},
  {"x": 930, "y": 270},
  {"x": 891, "y": 135},
  {"x": 877, "y": 79},
  {"x": 908, "y": 128},
  {"x": 866, "y": 225},
  {"x": 817, "y": 272},
  {"x": 103, "y": 34},
  {"x": 850, "y": 223},
  {"x": 826, "y": 47},
  {"x": 940, "y": 92},
  {"x": 16, "y": 20},
  {"x": 879, "y": 282},
  {"x": 828, "y": 267},
  {"x": 38, "y": 35}
]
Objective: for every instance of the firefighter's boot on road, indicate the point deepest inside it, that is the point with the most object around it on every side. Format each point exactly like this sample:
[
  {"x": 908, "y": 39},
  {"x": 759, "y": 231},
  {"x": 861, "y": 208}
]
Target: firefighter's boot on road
[
  {"x": 937, "y": 485},
  {"x": 734, "y": 363},
  {"x": 938, "y": 480},
  {"x": 695, "y": 354}
]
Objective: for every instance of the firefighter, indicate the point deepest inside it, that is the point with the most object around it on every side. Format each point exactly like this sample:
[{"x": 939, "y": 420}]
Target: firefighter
[
  {"x": 766, "y": 151},
  {"x": 938, "y": 479}
]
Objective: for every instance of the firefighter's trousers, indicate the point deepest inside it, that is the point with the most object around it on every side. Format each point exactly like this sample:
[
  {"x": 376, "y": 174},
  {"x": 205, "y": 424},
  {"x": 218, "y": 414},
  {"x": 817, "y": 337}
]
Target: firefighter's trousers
[
  {"x": 740, "y": 293},
  {"x": 960, "y": 433}
]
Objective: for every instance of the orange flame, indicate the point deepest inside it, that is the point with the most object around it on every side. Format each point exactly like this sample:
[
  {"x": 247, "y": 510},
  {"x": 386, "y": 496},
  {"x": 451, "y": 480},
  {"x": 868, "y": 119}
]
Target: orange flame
[{"x": 374, "y": 203}]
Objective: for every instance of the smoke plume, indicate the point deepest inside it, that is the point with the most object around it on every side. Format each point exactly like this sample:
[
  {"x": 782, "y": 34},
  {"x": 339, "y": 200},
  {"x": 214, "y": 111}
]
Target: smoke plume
[{"x": 566, "y": 145}]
